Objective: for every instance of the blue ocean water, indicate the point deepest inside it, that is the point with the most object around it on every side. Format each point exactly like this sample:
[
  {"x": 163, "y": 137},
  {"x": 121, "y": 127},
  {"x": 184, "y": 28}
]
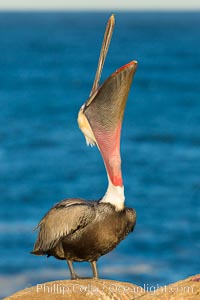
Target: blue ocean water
[{"x": 47, "y": 65}]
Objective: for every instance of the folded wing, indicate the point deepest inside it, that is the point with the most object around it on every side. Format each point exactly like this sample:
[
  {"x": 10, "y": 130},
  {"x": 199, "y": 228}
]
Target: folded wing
[{"x": 63, "y": 219}]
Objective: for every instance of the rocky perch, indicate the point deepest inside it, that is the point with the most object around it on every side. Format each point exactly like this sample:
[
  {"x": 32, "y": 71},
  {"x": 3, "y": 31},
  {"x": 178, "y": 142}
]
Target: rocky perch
[{"x": 91, "y": 289}]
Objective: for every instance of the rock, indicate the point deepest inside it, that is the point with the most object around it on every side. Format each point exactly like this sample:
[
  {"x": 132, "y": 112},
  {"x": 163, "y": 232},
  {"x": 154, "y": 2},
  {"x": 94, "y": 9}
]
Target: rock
[
  {"x": 187, "y": 289},
  {"x": 82, "y": 289},
  {"x": 91, "y": 289}
]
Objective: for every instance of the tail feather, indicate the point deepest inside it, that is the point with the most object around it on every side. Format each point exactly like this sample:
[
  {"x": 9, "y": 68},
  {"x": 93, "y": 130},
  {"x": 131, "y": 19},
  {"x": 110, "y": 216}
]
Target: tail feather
[{"x": 37, "y": 252}]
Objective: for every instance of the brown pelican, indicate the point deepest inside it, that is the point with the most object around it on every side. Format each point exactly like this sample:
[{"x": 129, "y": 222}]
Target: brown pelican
[{"x": 80, "y": 230}]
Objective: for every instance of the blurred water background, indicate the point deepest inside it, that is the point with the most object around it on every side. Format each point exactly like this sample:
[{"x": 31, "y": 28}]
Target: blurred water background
[{"x": 47, "y": 65}]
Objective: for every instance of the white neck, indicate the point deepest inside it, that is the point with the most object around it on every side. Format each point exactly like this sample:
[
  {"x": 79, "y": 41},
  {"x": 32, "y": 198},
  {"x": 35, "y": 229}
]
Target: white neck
[{"x": 114, "y": 196}]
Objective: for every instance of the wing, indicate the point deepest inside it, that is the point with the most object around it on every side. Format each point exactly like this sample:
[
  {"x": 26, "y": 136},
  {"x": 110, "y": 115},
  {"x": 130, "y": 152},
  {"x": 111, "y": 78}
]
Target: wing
[{"x": 63, "y": 219}]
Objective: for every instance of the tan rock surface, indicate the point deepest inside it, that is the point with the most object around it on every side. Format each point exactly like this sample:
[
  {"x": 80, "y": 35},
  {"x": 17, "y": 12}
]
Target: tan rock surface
[
  {"x": 90, "y": 289},
  {"x": 188, "y": 289},
  {"x": 82, "y": 289}
]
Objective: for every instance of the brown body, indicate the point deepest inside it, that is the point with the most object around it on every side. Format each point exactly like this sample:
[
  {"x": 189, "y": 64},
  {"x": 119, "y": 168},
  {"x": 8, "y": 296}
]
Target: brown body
[{"x": 100, "y": 230}]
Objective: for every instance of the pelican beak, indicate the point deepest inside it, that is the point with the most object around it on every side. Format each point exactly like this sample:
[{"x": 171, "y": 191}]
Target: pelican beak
[{"x": 100, "y": 118}]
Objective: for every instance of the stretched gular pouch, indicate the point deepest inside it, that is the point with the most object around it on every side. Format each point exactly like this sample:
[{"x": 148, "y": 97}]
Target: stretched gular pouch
[{"x": 100, "y": 118}]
